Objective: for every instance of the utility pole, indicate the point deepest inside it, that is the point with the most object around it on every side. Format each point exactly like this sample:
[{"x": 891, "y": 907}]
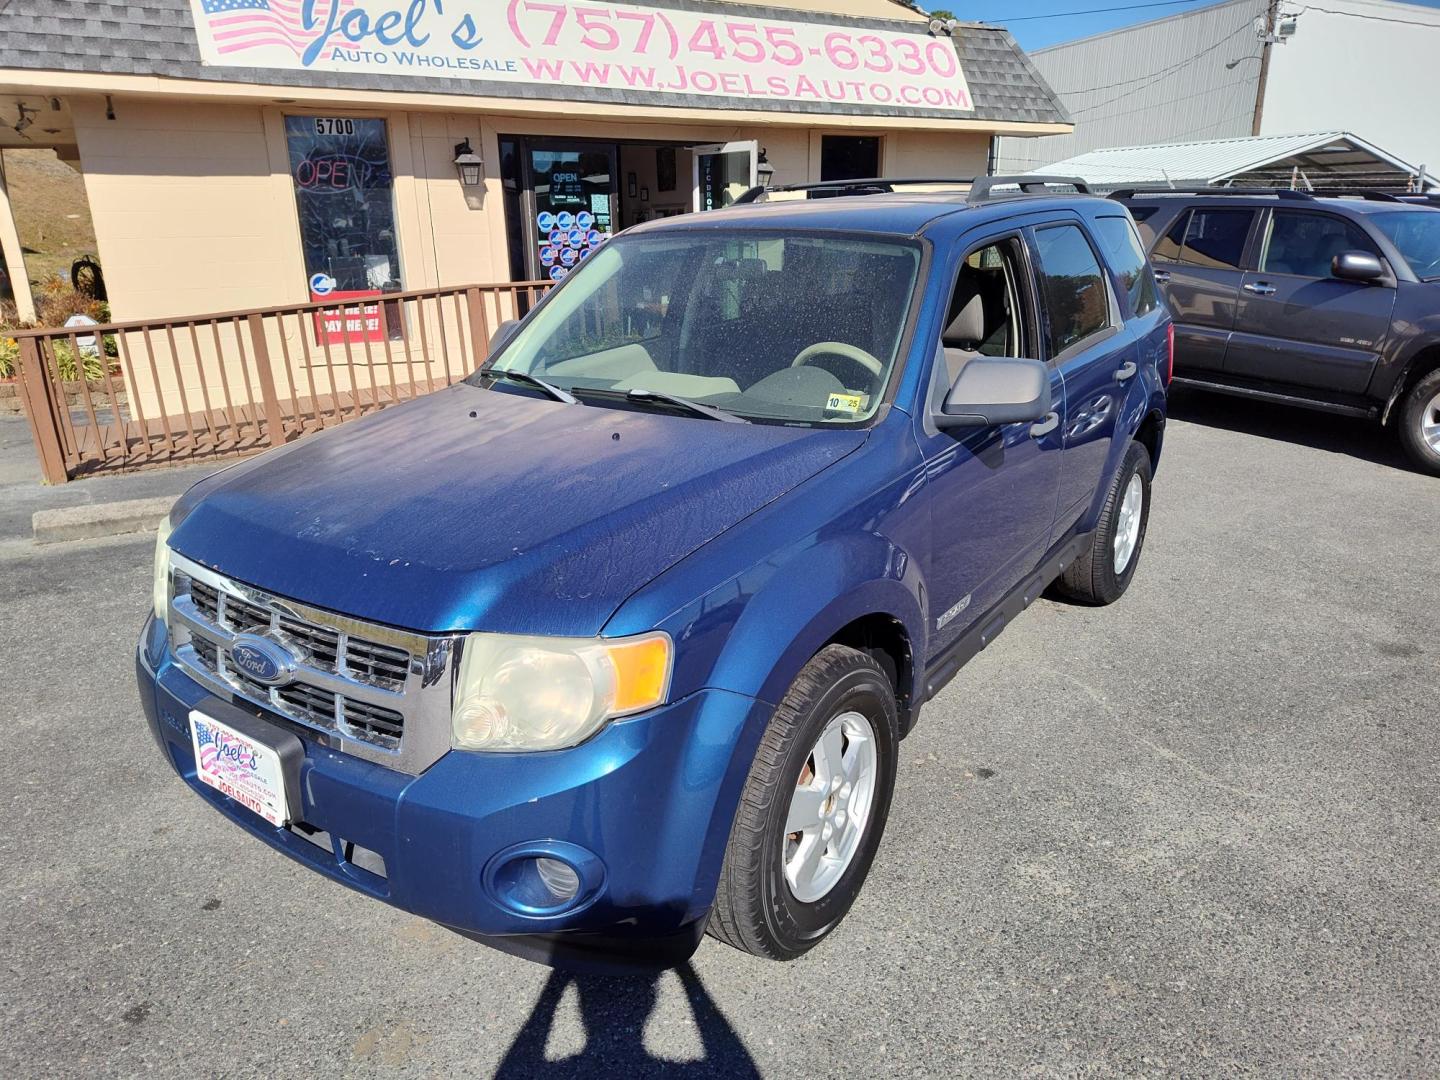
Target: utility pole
[{"x": 1272, "y": 21}]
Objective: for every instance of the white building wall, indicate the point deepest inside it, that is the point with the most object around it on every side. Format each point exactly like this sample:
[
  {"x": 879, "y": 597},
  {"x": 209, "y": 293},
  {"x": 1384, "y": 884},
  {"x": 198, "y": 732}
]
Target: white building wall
[
  {"x": 1161, "y": 81},
  {"x": 1363, "y": 66}
]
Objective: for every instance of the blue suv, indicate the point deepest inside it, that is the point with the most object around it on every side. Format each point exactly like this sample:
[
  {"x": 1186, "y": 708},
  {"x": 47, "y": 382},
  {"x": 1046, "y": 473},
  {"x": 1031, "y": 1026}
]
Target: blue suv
[{"x": 615, "y": 641}]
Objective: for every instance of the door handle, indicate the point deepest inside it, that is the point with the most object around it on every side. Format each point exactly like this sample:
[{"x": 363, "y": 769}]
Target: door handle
[
  {"x": 1046, "y": 424},
  {"x": 1162, "y": 276},
  {"x": 1259, "y": 288},
  {"x": 1125, "y": 371}
]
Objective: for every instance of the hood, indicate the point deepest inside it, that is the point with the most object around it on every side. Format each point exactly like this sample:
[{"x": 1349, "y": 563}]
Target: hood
[{"x": 476, "y": 509}]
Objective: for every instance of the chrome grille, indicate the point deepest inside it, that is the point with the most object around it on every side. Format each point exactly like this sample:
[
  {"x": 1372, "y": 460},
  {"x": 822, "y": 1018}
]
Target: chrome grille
[
  {"x": 368, "y": 661},
  {"x": 371, "y": 690}
]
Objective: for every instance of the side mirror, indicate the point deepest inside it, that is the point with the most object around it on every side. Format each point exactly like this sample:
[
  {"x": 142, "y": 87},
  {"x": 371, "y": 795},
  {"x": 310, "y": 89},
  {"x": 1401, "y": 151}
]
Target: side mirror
[
  {"x": 990, "y": 391},
  {"x": 1356, "y": 266},
  {"x": 503, "y": 333}
]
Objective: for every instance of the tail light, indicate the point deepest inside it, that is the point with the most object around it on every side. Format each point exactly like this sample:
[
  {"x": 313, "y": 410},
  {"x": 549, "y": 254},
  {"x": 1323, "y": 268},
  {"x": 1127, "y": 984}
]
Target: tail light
[{"x": 1169, "y": 353}]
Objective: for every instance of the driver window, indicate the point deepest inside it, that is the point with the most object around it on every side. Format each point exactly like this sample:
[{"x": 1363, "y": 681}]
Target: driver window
[
  {"x": 1303, "y": 244},
  {"x": 985, "y": 317}
]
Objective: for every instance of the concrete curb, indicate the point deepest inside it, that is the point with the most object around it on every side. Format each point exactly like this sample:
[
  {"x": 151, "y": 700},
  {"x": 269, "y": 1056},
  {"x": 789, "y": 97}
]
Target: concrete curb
[{"x": 100, "y": 519}]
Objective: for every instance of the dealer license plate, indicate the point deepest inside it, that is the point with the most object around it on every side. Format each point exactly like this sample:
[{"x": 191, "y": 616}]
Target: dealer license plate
[{"x": 240, "y": 767}]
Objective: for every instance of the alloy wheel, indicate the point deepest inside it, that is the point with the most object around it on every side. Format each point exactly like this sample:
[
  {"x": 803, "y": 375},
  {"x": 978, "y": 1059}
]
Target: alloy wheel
[
  {"x": 1127, "y": 523},
  {"x": 830, "y": 807},
  {"x": 1430, "y": 423}
]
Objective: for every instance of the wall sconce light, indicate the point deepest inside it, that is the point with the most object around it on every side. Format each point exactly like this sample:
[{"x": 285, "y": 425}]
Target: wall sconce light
[
  {"x": 764, "y": 171},
  {"x": 469, "y": 165}
]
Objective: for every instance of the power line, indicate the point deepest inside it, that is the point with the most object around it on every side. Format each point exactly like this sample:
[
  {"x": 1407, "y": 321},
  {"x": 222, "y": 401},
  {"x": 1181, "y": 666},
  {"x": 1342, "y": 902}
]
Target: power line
[
  {"x": 1149, "y": 105},
  {"x": 1154, "y": 76},
  {"x": 1357, "y": 15},
  {"x": 1100, "y": 11}
]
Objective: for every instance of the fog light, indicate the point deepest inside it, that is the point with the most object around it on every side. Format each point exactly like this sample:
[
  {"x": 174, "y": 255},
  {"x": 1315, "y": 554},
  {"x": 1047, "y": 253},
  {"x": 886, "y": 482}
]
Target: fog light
[
  {"x": 544, "y": 879},
  {"x": 559, "y": 877}
]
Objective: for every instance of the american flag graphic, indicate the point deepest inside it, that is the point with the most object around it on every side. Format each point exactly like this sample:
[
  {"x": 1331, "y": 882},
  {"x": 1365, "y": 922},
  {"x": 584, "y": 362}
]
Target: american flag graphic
[
  {"x": 249, "y": 24},
  {"x": 206, "y": 738}
]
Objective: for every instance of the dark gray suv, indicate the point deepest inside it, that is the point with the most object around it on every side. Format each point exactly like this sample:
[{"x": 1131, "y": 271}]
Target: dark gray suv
[{"x": 1329, "y": 303}]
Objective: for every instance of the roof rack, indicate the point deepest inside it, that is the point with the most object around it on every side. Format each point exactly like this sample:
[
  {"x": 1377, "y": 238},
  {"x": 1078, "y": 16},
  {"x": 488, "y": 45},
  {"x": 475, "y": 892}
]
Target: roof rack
[
  {"x": 1251, "y": 192},
  {"x": 1368, "y": 194},
  {"x": 980, "y": 190},
  {"x": 981, "y": 187}
]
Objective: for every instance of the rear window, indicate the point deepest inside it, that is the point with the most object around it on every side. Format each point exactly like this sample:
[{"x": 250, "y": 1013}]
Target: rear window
[
  {"x": 1124, "y": 253},
  {"x": 1207, "y": 236},
  {"x": 1072, "y": 286}
]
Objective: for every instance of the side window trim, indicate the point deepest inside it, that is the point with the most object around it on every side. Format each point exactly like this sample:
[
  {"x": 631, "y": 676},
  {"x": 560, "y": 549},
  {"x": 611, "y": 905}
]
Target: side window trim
[{"x": 1112, "y": 306}]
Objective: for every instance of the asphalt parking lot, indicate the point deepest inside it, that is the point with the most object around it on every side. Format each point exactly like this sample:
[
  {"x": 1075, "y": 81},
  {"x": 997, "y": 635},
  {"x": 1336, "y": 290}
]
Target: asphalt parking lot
[{"x": 1195, "y": 833}]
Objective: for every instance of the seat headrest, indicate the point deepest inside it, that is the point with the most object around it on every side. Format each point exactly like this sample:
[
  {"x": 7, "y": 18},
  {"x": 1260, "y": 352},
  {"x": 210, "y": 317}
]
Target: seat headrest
[{"x": 967, "y": 329}]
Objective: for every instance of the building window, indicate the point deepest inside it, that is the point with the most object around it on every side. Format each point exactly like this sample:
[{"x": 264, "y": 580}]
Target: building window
[
  {"x": 849, "y": 157},
  {"x": 344, "y": 194}
]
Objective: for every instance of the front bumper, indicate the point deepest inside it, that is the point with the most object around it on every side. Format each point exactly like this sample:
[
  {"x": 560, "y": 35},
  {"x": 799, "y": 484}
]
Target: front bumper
[{"x": 652, "y": 797}]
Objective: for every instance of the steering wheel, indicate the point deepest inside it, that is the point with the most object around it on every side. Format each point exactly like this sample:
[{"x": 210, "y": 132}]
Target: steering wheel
[{"x": 839, "y": 348}]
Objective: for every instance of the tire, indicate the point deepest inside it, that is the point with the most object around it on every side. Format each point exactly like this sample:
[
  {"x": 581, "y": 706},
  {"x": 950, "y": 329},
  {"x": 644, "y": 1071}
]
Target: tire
[
  {"x": 757, "y": 909},
  {"x": 1420, "y": 424},
  {"x": 1100, "y": 576}
]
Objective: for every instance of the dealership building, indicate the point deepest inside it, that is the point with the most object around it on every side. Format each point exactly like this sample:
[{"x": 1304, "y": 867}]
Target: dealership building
[{"x": 239, "y": 154}]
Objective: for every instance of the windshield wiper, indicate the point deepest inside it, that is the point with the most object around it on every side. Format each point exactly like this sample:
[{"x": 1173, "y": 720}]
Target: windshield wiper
[
  {"x": 709, "y": 412},
  {"x": 530, "y": 380}
]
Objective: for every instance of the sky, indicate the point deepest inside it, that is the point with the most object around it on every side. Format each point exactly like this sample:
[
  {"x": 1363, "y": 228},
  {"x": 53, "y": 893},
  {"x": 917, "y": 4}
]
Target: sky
[{"x": 1039, "y": 23}]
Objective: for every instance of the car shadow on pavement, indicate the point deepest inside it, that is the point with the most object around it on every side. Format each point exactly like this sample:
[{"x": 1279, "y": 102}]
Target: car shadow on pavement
[
  {"x": 1350, "y": 435},
  {"x": 613, "y": 1012}
]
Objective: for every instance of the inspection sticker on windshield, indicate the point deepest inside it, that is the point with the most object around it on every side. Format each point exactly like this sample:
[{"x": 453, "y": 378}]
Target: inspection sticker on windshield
[
  {"x": 239, "y": 767},
  {"x": 847, "y": 403}
]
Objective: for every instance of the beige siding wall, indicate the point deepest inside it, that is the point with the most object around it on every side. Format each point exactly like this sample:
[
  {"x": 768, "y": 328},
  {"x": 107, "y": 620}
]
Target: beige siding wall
[{"x": 189, "y": 215}]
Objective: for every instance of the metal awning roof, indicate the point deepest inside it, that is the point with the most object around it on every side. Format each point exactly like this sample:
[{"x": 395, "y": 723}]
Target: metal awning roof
[{"x": 1313, "y": 160}]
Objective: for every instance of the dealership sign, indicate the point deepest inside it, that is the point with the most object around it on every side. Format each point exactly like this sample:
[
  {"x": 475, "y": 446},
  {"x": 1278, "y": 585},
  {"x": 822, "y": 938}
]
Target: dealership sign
[{"x": 584, "y": 46}]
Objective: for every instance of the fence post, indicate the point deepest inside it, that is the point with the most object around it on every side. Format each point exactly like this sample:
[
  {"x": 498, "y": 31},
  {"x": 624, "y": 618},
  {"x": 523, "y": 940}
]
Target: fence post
[
  {"x": 274, "y": 420},
  {"x": 479, "y": 334},
  {"x": 36, "y": 392}
]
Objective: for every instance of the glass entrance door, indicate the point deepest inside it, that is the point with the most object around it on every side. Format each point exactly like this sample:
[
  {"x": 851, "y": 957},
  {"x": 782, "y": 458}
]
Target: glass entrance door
[
  {"x": 723, "y": 172},
  {"x": 572, "y": 195}
]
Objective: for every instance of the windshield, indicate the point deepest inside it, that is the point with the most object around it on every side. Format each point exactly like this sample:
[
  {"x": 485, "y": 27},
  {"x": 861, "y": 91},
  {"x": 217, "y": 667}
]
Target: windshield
[
  {"x": 784, "y": 328},
  {"x": 1417, "y": 234}
]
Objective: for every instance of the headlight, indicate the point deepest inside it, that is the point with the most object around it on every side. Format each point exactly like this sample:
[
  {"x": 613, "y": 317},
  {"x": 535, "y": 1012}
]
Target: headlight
[
  {"x": 544, "y": 693},
  {"x": 161, "y": 590}
]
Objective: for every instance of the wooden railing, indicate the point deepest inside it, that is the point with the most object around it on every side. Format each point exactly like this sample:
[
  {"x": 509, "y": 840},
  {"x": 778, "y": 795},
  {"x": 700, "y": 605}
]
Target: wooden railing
[{"x": 122, "y": 396}]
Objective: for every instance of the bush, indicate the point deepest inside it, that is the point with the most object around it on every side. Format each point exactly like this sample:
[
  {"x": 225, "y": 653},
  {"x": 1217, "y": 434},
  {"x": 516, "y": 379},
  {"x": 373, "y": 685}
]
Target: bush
[
  {"x": 65, "y": 366},
  {"x": 56, "y": 301}
]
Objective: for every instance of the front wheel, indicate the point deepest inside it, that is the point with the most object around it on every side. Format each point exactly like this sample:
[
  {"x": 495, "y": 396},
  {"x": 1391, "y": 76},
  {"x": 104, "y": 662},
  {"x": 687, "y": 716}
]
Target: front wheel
[
  {"x": 813, "y": 810},
  {"x": 1420, "y": 423},
  {"x": 1103, "y": 573}
]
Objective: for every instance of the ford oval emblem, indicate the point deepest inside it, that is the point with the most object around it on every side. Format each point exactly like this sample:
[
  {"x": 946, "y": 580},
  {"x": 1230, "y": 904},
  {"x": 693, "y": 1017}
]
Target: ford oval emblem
[{"x": 262, "y": 660}]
